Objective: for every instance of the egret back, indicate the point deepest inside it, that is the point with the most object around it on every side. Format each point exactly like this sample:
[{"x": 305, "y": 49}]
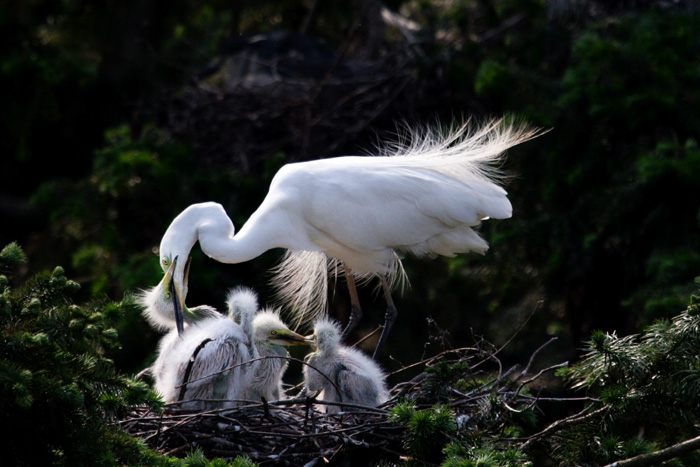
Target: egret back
[{"x": 422, "y": 195}]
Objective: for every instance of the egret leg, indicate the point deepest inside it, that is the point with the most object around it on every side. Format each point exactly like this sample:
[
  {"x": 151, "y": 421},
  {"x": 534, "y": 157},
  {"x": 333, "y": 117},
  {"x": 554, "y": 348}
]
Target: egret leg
[
  {"x": 389, "y": 317},
  {"x": 355, "y": 310}
]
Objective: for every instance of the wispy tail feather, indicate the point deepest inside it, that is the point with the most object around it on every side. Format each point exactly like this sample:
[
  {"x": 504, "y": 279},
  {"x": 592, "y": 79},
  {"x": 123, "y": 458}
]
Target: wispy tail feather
[
  {"x": 301, "y": 280},
  {"x": 461, "y": 152}
]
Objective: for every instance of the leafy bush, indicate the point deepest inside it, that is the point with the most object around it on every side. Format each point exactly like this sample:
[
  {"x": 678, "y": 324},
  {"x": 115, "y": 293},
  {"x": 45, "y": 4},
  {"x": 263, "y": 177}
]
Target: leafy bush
[{"x": 58, "y": 392}]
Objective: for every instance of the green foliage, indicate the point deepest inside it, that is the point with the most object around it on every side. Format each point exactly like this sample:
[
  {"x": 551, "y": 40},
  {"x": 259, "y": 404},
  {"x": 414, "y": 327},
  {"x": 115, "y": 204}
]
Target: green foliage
[
  {"x": 10, "y": 257},
  {"x": 440, "y": 378},
  {"x": 485, "y": 455},
  {"x": 427, "y": 431},
  {"x": 197, "y": 459},
  {"x": 650, "y": 385},
  {"x": 58, "y": 392}
]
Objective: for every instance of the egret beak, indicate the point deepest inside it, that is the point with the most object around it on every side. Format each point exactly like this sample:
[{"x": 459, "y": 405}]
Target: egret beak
[
  {"x": 287, "y": 337},
  {"x": 187, "y": 274},
  {"x": 310, "y": 340},
  {"x": 178, "y": 304}
]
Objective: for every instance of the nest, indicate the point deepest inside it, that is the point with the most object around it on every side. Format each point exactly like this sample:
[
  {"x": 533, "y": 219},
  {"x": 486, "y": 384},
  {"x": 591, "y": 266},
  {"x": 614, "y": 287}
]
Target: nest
[
  {"x": 480, "y": 392},
  {"x": 291, "y": 432}
]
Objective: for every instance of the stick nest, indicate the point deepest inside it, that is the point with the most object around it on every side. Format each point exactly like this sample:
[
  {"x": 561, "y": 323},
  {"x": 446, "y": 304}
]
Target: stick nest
[{"x": 482, "y": 395}]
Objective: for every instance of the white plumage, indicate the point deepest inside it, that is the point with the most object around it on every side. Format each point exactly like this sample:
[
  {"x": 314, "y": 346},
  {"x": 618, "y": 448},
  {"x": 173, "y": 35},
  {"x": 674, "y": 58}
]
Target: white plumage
[
  {"x": 342, "y": 374},
  {"x": 268, "y": 336},
  {"x": 208, "y": 346},
  {"x": 222, "y": 345},
  {"x": 354, "y": 214}
]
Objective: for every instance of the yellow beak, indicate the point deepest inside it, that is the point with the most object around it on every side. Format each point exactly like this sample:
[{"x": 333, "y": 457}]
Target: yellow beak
[
  {"x": 288, "y": 337},
  {"x": 177, "y": 294}
]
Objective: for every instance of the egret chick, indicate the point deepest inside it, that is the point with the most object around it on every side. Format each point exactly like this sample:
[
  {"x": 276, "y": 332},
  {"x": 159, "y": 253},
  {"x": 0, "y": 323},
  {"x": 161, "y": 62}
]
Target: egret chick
[
  {"x": 270, "y": 337},
  {"x": 205, "y": 365},
  {"x": 358, "y": 378},
  {"x": 195, "y": 358}
]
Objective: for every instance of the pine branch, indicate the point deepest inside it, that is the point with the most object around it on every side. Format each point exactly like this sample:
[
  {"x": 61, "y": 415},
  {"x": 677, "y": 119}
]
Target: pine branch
[{"x": 655, "y": 458}]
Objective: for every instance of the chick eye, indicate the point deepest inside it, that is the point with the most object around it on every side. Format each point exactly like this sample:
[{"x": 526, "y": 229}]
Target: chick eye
[
  {"x": 167, "y": 295},
  {"x": 273, "y": 333}
]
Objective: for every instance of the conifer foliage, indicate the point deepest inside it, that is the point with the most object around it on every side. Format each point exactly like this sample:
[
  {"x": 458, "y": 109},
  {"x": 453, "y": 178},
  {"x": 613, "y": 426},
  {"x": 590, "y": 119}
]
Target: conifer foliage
[
  {"x": 58, "y": 392},
  {"x": 646, "y": 391}
]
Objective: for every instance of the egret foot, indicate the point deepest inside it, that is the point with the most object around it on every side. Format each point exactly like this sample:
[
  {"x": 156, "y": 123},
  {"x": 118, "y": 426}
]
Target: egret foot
[
  {"x": 355, "y": 316},
  {"x": 389, "y": 318}
]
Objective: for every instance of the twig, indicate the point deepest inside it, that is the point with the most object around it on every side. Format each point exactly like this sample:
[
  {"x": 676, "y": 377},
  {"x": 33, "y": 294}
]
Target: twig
[
  {"x": 533, "y": 356},
  {"x": 564, "y": 423},
  {"x": 656, "y": 458},
  {"x": 378, "y": 328}
]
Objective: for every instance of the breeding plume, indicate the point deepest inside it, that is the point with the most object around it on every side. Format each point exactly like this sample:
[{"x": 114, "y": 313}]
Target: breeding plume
[
  {"x": 269, "y": 337},
  {"x": 342, "y": 374},
  {"x": 355, "y": 214},
  {"x": 201, "y": 365}
]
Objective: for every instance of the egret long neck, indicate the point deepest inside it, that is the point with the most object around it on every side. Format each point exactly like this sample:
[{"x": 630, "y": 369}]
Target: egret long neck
[
  {"x": 219, "y": 241},
  {"x": 222, "y": 245}
]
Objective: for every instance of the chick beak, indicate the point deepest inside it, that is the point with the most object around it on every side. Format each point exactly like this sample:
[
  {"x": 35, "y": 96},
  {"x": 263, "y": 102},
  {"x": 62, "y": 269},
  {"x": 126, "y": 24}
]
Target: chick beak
[
  {"x": 287, "y": 337},
  {"x": 310, "y": 339}
]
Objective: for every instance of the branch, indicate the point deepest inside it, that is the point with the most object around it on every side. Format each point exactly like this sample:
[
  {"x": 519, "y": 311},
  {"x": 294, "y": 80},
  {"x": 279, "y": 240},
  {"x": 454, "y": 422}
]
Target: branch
[
  {"x": 533, "y": 356},
  {"x": 655, "y": 458},
  {"x": 564, "y": 423}
]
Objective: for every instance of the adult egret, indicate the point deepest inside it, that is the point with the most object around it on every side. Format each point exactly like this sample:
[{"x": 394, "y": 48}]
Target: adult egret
[
  {"x": 355, "y": 214},
  {"x": 342, "y": 374},
  {"x": 269, "y": 337}
]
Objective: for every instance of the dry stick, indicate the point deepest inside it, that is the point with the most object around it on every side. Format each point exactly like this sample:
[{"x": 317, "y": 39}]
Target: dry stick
[
  {"x": 564, "y": 423},
  {"x": 379, "y": 328},
  {"x": 540, "y": 373},
  {"x": 655, "y": 458},
  {"x": 533, "y": 356},
  {"x": 537, "y": 307},
  {"x": 429, "y": 360}
]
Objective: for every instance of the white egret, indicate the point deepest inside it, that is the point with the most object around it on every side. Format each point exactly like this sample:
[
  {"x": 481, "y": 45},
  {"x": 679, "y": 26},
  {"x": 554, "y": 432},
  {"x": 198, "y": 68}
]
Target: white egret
[
  {"x": 355, "y": 214},
  {"x": 346, "y": 374},
  {"x": 269, "y": 337}
]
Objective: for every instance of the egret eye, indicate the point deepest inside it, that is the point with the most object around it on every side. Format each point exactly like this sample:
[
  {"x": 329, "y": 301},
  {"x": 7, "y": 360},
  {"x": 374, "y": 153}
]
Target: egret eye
[
  {"x": 165, "y": 262},
  {"x": 167, "y": 295},
  {"x": 273, "y": 333}
]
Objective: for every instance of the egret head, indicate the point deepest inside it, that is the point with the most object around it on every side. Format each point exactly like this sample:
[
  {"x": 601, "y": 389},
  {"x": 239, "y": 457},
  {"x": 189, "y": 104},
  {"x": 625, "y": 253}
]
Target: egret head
[
  {"x": 164, "y": 304},
  {"x": 326, "y": 336},
  {"x": 269, "y": 328},
  {"x": 184, "y": 231}
]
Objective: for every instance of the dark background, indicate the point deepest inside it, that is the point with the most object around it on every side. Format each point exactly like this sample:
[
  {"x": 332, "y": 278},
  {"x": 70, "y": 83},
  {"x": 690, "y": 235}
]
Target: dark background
[{"x": 116, "y": 117}]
